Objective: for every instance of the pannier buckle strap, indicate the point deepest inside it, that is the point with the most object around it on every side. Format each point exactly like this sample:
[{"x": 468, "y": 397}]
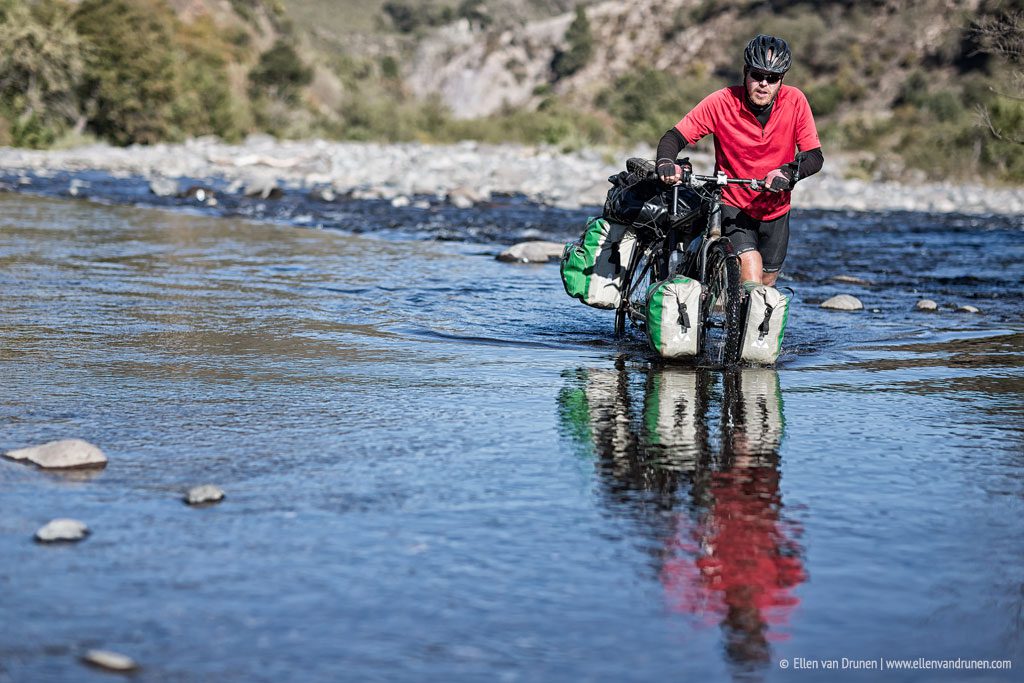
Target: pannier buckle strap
[
  {"x": 684, "y": 318},
  {"x": 764, "y": 328}
]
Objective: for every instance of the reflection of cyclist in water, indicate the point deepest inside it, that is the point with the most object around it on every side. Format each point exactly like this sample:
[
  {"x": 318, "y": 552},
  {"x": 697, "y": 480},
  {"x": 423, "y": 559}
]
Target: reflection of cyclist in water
[{"x": 728, "y": 555}]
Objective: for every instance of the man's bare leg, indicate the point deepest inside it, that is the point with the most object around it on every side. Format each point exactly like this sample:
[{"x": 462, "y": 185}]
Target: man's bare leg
[{"x": 752, "y": 269}]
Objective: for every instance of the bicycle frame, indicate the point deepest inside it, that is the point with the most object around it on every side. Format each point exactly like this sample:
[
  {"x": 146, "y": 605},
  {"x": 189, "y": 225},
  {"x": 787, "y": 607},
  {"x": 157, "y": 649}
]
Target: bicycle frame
[{"x": 694, "y": 262}]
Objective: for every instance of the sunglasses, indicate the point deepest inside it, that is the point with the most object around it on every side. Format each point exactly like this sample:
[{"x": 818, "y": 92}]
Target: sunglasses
[{"x": 758, "y": 76}]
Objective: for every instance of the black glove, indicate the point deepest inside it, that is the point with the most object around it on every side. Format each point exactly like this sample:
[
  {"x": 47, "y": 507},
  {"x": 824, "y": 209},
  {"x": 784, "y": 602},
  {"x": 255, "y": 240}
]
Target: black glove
[{"x": 778, "y": 180}]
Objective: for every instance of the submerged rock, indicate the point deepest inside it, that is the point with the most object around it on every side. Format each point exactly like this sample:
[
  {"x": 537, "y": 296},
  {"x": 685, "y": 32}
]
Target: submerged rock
[
  {"x": 199, "y": 193},
  {"x": 163, "y": 187},
  {"x": 111, "y": 661},
  {"x": 927, "y": 305},
  {"x": 850, "y": 280},
  {"x": 323, "y": 194},
  {"x": 532, "y": 252},
  {"x": 62, "y": 531},
  {"x": 843, "y": 302},
  {"x": 204, "y": 495},
  {"x": 64, "y": 454}
]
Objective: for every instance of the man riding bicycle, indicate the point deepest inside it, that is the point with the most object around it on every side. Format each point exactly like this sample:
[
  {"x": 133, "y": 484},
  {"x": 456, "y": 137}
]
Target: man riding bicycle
[{"x": 757, "y": 127}]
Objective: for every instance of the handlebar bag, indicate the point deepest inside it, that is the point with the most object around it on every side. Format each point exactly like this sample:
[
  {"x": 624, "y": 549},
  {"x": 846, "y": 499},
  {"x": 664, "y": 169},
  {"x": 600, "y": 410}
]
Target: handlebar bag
[
  {"x": 673, "y": 317},
  {"x": 593, "y": 267},
  {"x": 765, "y": 315},
  {"x": 645, "y": 203}
]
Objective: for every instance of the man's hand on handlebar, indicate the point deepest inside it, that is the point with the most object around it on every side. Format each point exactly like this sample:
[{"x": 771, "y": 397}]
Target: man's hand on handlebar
[
  {"x": 777, "y": 181},
  {"x": 672, "y": 173}
]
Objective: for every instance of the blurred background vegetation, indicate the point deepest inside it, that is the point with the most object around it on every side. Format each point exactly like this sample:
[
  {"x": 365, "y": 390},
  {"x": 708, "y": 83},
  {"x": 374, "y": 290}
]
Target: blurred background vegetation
[{"x": 148, "y": 71}]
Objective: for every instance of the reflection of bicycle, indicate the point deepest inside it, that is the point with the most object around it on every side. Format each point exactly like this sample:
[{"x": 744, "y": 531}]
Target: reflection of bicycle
[
  {"x": 711, "y": 506},
  {"x": 703, "y": 255}
]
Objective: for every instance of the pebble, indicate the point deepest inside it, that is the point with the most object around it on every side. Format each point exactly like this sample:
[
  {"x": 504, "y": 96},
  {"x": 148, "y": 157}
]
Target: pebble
[
  {"x": 927, "y": 305},
  {"x": 843, "y": 302},
  {"x": 201, "y": 495},
  {"x": 532, "y": 252},
  {"x": 967, "y": 308},
  {"x": 111, "y": 661},
  {"x": 62, "y": 530},
  {"x": 64, "y": 454}
]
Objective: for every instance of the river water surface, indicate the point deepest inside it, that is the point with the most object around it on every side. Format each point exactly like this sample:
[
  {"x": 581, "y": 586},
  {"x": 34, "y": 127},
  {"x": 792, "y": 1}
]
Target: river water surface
[{"x": 438, "y": 467}]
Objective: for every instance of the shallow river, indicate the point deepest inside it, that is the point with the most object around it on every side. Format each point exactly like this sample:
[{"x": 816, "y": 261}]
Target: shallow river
[{"x": 440, "y": 468}]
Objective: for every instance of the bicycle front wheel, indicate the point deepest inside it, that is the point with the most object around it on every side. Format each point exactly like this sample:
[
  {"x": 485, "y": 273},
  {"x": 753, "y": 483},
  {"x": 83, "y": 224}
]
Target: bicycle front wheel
[
  {"x": 723, "y": 308},
  {"x": 647, "y": 267}
]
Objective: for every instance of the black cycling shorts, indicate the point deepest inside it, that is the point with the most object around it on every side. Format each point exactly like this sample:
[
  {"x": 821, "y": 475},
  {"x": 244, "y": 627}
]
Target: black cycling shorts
[{"x": 770, "y": 238}]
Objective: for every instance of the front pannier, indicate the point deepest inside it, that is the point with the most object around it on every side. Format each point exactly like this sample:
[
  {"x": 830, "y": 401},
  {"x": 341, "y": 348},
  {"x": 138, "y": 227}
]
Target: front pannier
[
  {"x": 673, "y": 317},
  {"x": 765, "y": 313}
]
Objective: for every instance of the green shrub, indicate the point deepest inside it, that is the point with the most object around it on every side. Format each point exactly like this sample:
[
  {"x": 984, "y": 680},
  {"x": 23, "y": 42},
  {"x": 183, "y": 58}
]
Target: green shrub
[
  {"x": 579, "y": 47},
  {"x": 280, "y": 73},
  {"x": 129, "y": 83},
  {"x": 649, "y": 102},
  {"x": 40, "y": 68}
]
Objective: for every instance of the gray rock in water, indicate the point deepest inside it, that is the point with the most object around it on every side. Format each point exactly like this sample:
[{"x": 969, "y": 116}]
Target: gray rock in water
[
  {"x": 401, "y": 201},
  {"x": 111, "y": 661},
  {"x": 163, "y": 187},
  {"x": 323, "y": 194},
  {"x": 850, "y": 280},
  {"x": 967, "y": 308},
  {"x": 62, "y": 530},
  {"x": 926, "y": 305},
  {"x": 843, "y": 302},
  {"x": 532, "y": 252},
  {"x": 199, "y": 194},
  {"x": 203, "y": 495},
  {"x": 263, "y": 188},
  {"x": 64, "y": 454}
]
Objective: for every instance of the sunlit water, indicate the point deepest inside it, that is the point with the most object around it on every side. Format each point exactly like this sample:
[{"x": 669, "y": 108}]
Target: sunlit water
[{"x": 439, "y": 467}]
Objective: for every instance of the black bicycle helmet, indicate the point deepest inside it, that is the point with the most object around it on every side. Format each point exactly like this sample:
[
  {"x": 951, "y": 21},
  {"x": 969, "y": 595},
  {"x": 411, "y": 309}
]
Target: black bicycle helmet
[{"x": 768, "y": 54}]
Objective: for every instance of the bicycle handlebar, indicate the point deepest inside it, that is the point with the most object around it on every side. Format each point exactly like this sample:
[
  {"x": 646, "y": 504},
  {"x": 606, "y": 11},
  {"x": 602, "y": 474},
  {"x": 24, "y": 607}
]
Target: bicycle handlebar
[{"x": 721, "y": 179}]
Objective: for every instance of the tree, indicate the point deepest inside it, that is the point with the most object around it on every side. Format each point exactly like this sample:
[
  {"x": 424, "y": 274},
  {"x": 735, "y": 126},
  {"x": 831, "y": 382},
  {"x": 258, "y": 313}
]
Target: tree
[
  {"x": 280, "y": 73},
  {"x": 41, "y": 66},
  {"x": 579, "y": 47},
  {"x": 1003, "y": 37},
  {"x": 129, "y": 85}
]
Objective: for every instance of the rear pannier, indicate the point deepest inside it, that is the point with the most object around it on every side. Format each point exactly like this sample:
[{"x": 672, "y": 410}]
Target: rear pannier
[
  {"x": 593, "y": 267},
  {"x": 673, "y": 317},
  {"x": 766, "y": 313}
]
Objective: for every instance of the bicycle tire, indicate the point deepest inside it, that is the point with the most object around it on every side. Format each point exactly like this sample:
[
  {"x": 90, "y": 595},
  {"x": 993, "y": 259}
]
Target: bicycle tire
[{"x": 723, "y": 306}]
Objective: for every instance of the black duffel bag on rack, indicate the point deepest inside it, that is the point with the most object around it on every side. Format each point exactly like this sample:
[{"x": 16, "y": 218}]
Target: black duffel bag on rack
[{"x": 638, "y": 198}]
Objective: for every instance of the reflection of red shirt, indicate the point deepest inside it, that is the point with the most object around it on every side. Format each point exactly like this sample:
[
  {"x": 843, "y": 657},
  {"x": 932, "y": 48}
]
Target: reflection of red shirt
[
  {"x": 743, "y": 149},
  {"x": 744, "y": 556}
]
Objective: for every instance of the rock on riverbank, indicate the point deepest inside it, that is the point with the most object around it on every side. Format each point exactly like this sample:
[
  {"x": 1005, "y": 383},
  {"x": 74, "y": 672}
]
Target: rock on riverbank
[{"x": 466, "y": 172}]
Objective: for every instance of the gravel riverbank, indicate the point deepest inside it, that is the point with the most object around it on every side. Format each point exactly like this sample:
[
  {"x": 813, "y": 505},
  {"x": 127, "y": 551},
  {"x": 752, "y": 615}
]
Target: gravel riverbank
[{"x": 464, "y": 173}]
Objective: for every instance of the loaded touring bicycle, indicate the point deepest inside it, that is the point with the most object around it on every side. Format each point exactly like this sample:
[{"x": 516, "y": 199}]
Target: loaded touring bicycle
[{"x": 658, "y": 258}]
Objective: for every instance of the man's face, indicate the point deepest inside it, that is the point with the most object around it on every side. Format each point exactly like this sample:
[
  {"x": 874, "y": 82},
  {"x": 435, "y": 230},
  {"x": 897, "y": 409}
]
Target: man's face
[{"x": 762, "y": 87}]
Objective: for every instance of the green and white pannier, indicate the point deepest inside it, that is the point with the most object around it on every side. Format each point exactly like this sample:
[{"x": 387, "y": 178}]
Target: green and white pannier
[
  {"x": 766, "y": 314},
  {"x": 673, "y": 317},
  {"x": 593, "y": 267}
]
